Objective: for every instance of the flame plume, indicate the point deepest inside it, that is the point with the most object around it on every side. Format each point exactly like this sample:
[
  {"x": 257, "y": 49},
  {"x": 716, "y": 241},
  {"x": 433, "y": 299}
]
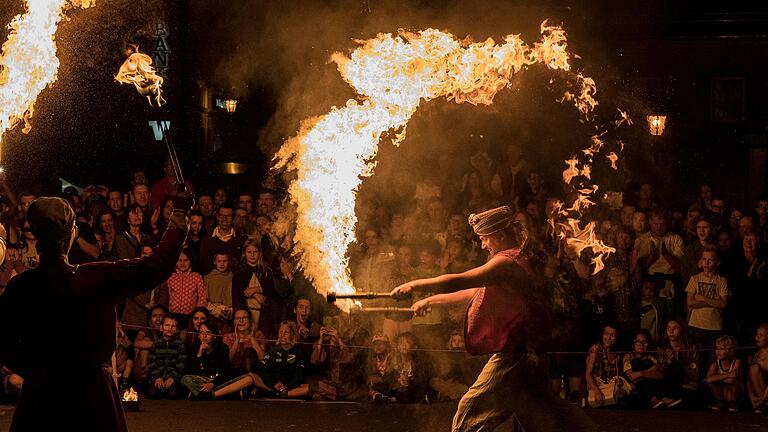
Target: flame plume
[
  {"x": 332, "y": 153},
  {"x": 137, "y": 69},
  {"x": 28, "y": 61}
]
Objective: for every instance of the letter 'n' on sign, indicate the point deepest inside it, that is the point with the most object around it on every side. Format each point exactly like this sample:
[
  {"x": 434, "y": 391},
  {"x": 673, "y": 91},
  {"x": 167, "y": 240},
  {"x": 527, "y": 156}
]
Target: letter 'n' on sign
[{"x": 159, "y": 127}]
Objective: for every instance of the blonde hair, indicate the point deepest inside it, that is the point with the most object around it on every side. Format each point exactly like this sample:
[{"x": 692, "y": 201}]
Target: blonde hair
[{"x": 727, "y": 342}]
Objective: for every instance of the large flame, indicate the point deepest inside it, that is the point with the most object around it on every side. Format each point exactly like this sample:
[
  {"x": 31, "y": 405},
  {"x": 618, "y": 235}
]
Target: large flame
[
  {"x": 332, "y": 153},
  {"x": 28, "y": 61}
]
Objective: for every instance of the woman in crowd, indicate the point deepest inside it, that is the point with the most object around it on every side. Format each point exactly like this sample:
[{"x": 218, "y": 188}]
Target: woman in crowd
[
  {"x": 106, "y": 228},
  {"x": 281, "y": 372},
  {"x": 208, "y": 365},
  {"x": 338, "y": 376},
  {"x": 256, "y": 289},
  {"x": 641, "y": 370},
  {"x": 246, "y": 344},
  {"x": 602, "y": 365},
  {"x": 381, "y": 371},
  {"x": 678, "y": 361},
  {"x": 198, "y": 316}
]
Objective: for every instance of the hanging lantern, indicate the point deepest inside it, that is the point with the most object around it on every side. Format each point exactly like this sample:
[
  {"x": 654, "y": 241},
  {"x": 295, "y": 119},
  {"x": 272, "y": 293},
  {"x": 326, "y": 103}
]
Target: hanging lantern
[
  {"x": 231, "y": 105},
  {"x": 656, "y": 124}
]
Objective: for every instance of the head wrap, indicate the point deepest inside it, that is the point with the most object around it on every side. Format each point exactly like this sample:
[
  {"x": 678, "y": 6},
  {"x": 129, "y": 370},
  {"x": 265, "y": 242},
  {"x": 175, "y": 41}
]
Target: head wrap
[
  {"x": 491, "y": 221},
  {"x": 50, "y": 218}
]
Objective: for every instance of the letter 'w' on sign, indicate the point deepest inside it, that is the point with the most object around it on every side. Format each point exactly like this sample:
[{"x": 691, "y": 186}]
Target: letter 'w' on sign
[{"x": 159, "y": 127}]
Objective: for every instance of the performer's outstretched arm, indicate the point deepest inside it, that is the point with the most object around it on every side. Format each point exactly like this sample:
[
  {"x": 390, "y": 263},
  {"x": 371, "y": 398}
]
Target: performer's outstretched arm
[
  {"x": 474, "y": 278},
  {"x": 422, "y": 306}
]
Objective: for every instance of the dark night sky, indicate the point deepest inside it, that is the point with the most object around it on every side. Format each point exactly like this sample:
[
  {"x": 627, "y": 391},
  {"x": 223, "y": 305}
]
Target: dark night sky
[{"x": 273, "y": 56}]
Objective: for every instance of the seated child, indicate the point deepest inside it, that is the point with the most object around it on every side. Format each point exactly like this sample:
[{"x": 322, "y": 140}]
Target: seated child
[
  {"x": 758, "y": 372},
  {"x": 167, "y": 360},
  {"x": 724, "y": 376}
]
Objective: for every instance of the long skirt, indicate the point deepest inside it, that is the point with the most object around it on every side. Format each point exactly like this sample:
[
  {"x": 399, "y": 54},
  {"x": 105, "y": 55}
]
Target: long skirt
[{"x": 517, "y": 384}]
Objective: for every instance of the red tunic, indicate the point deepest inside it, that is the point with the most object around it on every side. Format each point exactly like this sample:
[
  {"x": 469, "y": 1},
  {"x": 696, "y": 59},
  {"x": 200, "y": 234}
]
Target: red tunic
[{"x": 497, "y": 313}]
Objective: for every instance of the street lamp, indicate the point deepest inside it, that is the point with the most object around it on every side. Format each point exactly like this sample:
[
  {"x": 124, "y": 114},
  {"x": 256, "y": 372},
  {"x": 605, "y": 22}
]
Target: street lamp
[
  {"x": 231, "y": 105},
  {"x": 656, "y": 124}
]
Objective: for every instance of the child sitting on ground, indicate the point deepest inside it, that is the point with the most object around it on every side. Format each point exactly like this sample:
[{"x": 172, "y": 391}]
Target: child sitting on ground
[
  {"x": 167, "y": 360},
  {"x": 724, "y": 376}
]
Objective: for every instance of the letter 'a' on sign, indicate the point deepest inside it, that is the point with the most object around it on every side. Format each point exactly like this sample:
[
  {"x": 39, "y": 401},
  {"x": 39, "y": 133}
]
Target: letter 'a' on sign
[{"x": 158, "y": 128}]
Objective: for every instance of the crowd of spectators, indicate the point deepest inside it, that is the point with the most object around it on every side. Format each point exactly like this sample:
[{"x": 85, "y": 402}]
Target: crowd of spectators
[{"x": 676, "y": 318}]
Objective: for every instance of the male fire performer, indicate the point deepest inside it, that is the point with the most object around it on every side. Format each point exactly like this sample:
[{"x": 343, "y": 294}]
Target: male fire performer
[
  {"x": 65, "y": 386},
  {"x": 506, "y": 318}
]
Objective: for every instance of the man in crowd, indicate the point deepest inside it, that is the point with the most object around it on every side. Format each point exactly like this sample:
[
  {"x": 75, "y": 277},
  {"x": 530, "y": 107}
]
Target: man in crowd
[
  {"x": 167, "y": 186},
  {"x": 222, "y": 237}
]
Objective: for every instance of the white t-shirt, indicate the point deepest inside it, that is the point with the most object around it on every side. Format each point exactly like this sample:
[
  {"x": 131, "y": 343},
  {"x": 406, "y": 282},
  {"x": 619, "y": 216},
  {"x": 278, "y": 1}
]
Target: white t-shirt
[{"x": 714, "y": 287}]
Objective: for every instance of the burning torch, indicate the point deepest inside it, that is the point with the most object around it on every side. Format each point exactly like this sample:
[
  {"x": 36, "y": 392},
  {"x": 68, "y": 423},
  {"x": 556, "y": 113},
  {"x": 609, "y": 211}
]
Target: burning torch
[{"x": 137, "y": 69}]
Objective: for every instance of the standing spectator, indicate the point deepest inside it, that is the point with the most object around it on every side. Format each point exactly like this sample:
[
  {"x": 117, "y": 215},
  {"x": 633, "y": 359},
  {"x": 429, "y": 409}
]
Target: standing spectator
[
  {"x": 660, "y": 259},
  {"x": 654, "y": 310},
  {"x": 218, "y": 285},
  {"x": 241, "y": 222},
  {"x": 186, "y": 291},
  {"x": 750, "y": 294},
  {"x": 246, "y": 344},
  {"x": 207, "y": 209},
  {"x": 167, "y": 186},
  {"x": 245, "y": 202},
  {"x": 106, "y": 227},
  {"x": 708, "y": 295},
  {"x": 725, "y": 375},
  {"x": 678, "y": 361},
  {"x": 256, "y": 288},
  {"x": 645, "y": 198},
  {"x": 219, "y": 198},
  {"x": 208, "y": 363},
  {"x": 692, "y": 251},
  {"x": 29, "y": 255},
  {"x": 167, "y": 360},
  {"x": 267, "y": 202},
  {"x": 223, "y": 237},
  {"x": 429, "y": 328},
  {"x": 371, "y": 264},
  {"x": 402, "y": 272},
  {"x": 758, "y": 372},
  {"x": 116, "y": 205},
  {"x": 762, "y": 217},
  {"x": 194, "y": 239},
  {"x": 134, "y": 309},
  {"x": 510, "y": 178},
  {"x": 129, "y": 242}
]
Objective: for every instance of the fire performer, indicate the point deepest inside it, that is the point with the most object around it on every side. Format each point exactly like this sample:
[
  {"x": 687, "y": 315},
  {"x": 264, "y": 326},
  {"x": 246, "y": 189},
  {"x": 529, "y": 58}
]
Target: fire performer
[
  {"x": 71, "y": 390},
  {"x": 506, "y": 318}
]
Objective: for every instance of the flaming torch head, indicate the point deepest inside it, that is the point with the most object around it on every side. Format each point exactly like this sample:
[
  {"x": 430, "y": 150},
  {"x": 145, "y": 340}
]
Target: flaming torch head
[{"x": 137, "y": 69}]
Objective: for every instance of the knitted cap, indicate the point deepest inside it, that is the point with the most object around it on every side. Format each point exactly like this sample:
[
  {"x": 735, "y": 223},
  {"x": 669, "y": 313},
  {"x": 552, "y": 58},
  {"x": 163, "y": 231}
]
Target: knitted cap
[
  {"x": 491, "y": 221},
  {"x": 50, "y": 218}
]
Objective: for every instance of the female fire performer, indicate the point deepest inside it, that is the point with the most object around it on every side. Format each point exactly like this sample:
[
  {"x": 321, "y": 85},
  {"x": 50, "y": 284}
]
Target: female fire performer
[
  {"x": 504, "y": 318},
  {"x": 85, "y": 398}
]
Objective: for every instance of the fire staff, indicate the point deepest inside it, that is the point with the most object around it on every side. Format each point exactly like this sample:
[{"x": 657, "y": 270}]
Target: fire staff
[
  {"x": 65, "y": 386},
  {"x": 506, "y": 317}
]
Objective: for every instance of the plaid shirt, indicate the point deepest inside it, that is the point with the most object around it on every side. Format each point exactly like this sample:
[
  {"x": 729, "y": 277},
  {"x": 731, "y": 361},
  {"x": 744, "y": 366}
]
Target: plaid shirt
[{"x": 186, "y": 291}]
